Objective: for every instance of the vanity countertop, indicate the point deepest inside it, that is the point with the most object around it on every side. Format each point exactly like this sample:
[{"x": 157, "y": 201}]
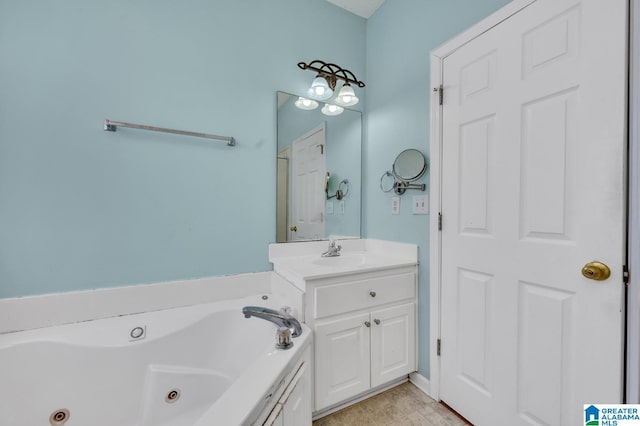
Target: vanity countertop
[{"x": 302, "y": 261}]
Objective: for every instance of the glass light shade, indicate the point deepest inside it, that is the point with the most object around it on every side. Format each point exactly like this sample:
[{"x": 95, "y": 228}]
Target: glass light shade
[
  {"x": 320, "y": 89},
  {"x": 304, "y": 103},
  {"x": 329, "y": 109},
  {"x": 346, "y": 96}
]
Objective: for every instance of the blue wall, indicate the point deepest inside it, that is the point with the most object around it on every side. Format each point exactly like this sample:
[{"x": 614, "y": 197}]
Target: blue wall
[
  {"x": 81, "y": 208},
  {"x": 400, "y": 36}
]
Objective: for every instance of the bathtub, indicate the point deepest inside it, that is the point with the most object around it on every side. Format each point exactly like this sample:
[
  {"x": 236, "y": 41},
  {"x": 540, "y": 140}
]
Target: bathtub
[{"x": 199, "y": 365}]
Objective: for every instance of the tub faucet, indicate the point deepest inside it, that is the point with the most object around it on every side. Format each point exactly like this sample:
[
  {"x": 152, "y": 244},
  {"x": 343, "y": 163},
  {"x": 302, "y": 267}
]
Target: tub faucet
[
  {"x": 333, "y": 251},
  {"x": 280, "y": 318}
]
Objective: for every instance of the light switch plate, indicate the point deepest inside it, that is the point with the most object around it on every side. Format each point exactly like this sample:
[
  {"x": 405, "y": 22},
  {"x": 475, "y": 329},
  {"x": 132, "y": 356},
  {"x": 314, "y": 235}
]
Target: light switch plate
[
  {"x": 329, "y": 207},
  {"x": 395, "y": 205},
  {"x": 341, "y": 207},
  {"x": 420, "y": 204}
]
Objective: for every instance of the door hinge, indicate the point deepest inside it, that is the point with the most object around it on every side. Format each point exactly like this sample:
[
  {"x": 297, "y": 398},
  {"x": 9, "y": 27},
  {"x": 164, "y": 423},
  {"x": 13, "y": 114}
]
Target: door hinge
[
  {"x": 438, "y": 348},
  {"x": 439, "y": 221},
  {"x": 440, "y": 94},
  {"x": 625, "y": 274}
]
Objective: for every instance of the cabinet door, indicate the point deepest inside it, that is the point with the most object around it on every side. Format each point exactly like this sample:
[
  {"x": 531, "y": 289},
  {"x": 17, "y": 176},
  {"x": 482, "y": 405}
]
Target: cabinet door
[
  {"x": 276, "y": 418},
  {"x": 393, "y": 343},
  {"x": 297, "y": 405},
  {"x": 341, "y": 359}
]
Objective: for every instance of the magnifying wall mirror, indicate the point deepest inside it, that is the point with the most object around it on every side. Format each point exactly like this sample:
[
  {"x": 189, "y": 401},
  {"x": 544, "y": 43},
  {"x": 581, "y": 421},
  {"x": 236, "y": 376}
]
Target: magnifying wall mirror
[
  {"x": 319, "y": 172},
  {"x": 410, "y": 165},
  {"x": 337, "y": 190}
]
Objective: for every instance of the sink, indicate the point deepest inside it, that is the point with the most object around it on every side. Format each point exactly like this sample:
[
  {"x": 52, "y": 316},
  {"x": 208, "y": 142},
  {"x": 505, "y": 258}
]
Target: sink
[
  {"x": 301, "y": 263},
  {"x": 348, "y": 259}
]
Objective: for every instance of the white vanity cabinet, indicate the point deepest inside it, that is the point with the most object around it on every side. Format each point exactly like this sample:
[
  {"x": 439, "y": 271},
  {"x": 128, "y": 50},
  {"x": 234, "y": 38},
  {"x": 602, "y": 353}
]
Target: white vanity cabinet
[
  {"x": 361, "y": 306},
  {"x": 365, "y": 331}
]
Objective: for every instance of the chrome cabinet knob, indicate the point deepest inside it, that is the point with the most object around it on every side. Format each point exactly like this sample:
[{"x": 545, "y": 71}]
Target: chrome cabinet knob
[
  {"x": 367, "y": 324},
  {"x": 377, "y": 321},
  {"x": 372, "y": 293}
]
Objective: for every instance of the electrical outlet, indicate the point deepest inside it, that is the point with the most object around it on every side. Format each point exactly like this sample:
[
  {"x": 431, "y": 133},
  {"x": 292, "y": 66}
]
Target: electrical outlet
[
  {"x": 395, "y": 205},
  {"x": 329, "y": 207}
]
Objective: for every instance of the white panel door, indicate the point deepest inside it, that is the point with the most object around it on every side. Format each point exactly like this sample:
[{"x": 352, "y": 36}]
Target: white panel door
[
  {"x": 308, "y": 186},
  {"x": 342, "y": 360},
  {"x": 533, "y": 155},
  {"x": 393, "y": 340}
]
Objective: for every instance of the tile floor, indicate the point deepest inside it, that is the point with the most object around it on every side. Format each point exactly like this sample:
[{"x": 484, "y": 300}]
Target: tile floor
[{"x": 404, "y": 405}]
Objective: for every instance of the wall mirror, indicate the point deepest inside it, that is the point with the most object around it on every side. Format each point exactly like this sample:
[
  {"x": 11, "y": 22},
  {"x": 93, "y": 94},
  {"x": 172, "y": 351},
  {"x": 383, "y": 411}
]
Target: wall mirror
[
  {"x": 409, "y": 166},
  {"x": 319, "y": 172}
]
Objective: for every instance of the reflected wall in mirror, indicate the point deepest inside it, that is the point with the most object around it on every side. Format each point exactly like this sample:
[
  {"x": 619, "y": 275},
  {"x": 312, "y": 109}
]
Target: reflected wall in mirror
[{"x": 319, "y": 156}]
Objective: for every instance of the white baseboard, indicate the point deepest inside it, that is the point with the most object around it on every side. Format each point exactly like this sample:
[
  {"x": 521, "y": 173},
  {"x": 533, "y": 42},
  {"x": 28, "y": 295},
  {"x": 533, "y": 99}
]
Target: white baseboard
[{"x": 421, "y": 383}]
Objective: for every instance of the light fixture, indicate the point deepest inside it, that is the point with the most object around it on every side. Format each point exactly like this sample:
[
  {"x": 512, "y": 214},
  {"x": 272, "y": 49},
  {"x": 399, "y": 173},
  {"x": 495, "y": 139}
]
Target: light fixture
[
  {"x": 346, "y": 96},
  {"x": 329, "y": 109},
  {"x": 325, "y": 82},
  {"x": 320, "y": 89},
  {"x": 304, "y": 103}
]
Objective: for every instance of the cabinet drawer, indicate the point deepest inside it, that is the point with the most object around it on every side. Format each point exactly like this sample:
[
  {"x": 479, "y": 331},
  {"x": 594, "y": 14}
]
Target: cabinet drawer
[{"x": 354, "y": 295}]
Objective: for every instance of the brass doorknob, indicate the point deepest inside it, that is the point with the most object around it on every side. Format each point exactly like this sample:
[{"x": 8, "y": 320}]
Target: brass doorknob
[
  {"x": 596, "y": 271},
  {"x": 293, "y": 229}
]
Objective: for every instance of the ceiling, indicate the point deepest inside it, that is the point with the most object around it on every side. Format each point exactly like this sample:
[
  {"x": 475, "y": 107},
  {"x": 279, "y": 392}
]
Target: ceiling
[{"x": 363, "y": 8}]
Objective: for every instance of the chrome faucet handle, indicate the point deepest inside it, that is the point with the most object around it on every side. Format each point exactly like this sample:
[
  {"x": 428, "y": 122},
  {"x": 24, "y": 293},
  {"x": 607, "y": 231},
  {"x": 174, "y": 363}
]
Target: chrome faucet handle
[
  {"x": 286, "y": 310},
  {"x": 283, "y": 338}
]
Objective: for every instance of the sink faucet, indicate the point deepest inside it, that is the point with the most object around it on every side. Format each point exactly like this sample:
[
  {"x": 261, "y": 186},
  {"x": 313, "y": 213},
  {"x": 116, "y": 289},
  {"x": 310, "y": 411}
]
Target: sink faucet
[
  {"x": 281, "y": 318},
  {"x": 333, "y": 251}
]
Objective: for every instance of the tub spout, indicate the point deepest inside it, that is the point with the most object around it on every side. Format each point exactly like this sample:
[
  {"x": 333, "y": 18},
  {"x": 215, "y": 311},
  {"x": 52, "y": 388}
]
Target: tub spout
[{"x": 280, "y": 318}]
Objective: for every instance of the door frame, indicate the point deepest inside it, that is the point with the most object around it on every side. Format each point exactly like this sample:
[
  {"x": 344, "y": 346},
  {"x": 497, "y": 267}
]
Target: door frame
[
  {"x": 438, "y": 56},
  {"x": 633, "y": 291},
  {"x": 283, "y": 195}
]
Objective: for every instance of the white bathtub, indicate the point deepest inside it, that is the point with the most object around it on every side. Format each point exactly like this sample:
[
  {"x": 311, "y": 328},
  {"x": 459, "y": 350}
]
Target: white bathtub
[{"x": 223, "y": 366}]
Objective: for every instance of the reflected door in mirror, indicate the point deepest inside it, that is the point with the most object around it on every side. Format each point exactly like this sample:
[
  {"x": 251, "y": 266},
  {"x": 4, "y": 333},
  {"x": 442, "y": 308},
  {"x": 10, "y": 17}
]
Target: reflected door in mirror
[{"x": 308, "y": 172}]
